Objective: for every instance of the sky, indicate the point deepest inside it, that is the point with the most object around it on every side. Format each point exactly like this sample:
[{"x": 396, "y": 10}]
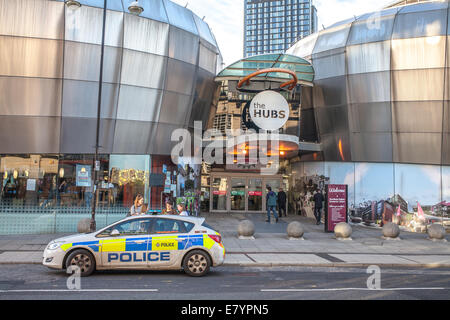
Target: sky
[{"x": 226, "y": 18}]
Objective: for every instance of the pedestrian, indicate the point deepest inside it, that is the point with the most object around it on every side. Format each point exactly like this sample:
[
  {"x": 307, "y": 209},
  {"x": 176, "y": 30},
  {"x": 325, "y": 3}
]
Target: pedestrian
[
  {"x": 271, "y": 204},
  {"x": 138, "y": 207},
  {"x": 282, "y": 202},
  {"x": 318, "y": 200},
  {"x": 169, "y": 210},
  {"x": 182, "y": 209}
]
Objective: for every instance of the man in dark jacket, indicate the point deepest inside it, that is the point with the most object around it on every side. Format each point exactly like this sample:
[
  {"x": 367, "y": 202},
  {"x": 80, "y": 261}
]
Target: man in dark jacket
[
  {"x": 282, "y": 202},
  {"x": 318, "y": 200},
  {"x": 271, "y": 204}
]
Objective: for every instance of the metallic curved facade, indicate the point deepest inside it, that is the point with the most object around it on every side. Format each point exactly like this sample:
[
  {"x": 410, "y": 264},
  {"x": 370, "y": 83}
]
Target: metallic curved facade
[
  {"x": 382, "y": 85},
  {"x": 159, "y": 71}
]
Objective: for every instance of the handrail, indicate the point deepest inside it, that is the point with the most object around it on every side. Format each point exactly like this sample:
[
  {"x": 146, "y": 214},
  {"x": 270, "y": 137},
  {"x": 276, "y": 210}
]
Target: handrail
[{"x": 291, "y": 83}]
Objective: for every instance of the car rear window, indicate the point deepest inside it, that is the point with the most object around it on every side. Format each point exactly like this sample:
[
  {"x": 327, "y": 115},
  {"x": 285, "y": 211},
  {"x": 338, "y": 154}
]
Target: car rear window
[{"x": 204, "y": 224}]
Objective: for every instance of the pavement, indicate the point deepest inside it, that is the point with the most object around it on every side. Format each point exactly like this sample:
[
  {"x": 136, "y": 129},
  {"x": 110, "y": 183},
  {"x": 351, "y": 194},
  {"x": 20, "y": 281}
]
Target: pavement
[{"x": 272, "y": 248}]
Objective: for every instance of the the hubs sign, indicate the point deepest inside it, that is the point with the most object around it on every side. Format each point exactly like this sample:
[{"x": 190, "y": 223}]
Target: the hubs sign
[
  {"x": 336, "y": 205},
  {"x": 269, "y": 110}
]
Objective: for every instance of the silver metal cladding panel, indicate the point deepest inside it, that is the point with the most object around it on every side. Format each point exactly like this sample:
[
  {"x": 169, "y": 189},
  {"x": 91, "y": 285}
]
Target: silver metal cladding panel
[
  {"x": 134, "y": 137},
  {"x": 84, "y": 25},
  {"x": 207, "y": 59},
  {"x": 20, "y": 134},
  {"x": 27, "y": 57},
  {"x": 183, "y": 45},
  {"x": 420, "y": 24},
  {"x": 80, "y": 99},
  {"x": 180, "y": 76},
  {"x": 373, "y": 29},
  {"x": 175, "y": 108},
  {"x": 14, "y": 13},
  {"x": 180, "y": 17},
  {"x": 370, "y": 117},
  {"x": 421, "y": 148},
  {"x": 369, "y": 57},
  {"x": 139, "y": 104},
  {"x": 81, "y": 61},
  {"x": 163, "y": 143},
  {"x": 330, "y": 65},
  {"x": 418, "y": 53},
  {"x": 143, "y": 69},
  {"x": 369, "y": 87},
  {"x": 146, "y": 35},
  {"x": 30, "y": 96},
  {"x": 78, "y": 135},
  {"x": 330, "y": 91},
  {"x": 420, "y": 116},
  {"x": 375, "y": 147},
  {"x": 418, "y": 85}
]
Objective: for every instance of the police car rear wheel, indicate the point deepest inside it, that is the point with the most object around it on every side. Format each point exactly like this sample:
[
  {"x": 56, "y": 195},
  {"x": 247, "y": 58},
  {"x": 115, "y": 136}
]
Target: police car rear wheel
[
  {"x": 83, "y": 260},
  {"x": 197, "y": 263}
]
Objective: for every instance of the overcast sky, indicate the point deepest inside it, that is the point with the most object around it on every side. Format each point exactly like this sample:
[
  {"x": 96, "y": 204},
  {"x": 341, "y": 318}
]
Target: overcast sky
[{"x": 226, "y": 18}]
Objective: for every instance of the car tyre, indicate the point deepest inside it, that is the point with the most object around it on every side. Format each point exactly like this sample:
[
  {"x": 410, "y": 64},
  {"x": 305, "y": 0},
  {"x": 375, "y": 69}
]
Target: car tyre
[
  {"x": 83, "y": 259},
  {"x": 197, "y": 263}
]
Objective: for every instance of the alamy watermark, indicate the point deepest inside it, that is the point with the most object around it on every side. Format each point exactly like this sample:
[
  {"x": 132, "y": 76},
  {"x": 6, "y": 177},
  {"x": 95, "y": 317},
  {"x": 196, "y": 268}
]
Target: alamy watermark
[{"x": 374, "y": 281}]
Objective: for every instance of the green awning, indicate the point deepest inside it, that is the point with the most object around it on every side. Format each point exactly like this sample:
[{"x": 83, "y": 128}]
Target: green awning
[{"x": 244, "y": 67}]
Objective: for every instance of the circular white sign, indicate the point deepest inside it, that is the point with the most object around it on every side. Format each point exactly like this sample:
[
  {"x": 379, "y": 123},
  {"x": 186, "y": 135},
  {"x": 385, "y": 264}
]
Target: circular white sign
[{"x": 269, "y": 110}]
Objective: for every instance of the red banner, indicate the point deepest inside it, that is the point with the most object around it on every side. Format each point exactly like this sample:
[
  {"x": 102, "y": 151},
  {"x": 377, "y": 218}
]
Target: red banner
[
  {"x": 337, "y": 205},
  {"x": 219, "y": 193},
  {"x": 255, "y": 193}
]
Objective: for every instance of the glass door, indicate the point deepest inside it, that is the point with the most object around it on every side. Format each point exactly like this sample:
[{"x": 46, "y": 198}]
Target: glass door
[
  {"x": 255, "y": 194},
  {"x": 219, "y": 188},
  {"x": 237, "y": 194}
]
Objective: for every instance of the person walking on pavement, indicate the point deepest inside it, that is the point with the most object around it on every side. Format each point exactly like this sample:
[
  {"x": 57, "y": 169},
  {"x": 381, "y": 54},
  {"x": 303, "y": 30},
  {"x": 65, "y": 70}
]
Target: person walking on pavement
[
  {"x": 282, "y": 202},
  {"x": 271, "y": 204},
  {"x": 318, "y": 200}
]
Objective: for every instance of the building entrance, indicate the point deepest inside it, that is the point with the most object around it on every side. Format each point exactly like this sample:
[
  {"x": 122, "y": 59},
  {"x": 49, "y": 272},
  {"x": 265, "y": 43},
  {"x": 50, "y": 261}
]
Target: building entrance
[{"x": 234, "y": 193}]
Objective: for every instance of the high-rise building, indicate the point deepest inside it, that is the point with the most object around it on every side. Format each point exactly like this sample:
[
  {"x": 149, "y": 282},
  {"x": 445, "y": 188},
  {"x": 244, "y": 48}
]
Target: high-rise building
[{"x": 272, "y": 26}]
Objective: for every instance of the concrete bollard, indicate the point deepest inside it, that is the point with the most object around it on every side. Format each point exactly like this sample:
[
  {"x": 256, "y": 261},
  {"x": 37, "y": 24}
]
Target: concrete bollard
[
  {"x": 391, "y": 231},
  {"x": 343, "y": 231},
  {"x": 436, "y": 232},
  {"x": 246, "y": 230},
  {"x": 84, "y": 225},
  {"x": 295, "y": 231}
]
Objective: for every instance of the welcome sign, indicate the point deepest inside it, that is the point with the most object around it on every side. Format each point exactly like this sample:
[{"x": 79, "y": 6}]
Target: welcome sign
[{"x": 269, "y": 110}]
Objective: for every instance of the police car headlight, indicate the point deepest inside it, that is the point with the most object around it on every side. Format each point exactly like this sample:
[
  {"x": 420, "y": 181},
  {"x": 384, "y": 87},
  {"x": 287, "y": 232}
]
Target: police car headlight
[{"x": 54, "y": 245}]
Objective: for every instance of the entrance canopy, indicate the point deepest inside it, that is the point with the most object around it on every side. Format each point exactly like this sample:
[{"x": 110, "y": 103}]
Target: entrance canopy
[{"x": 247, "y": 66}]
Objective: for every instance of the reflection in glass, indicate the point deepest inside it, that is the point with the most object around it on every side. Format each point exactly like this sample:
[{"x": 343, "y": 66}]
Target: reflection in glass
[
  {"x": 255, "y": 195},
  {"x": 238, "y": 194},
  {"x": 219, "y": 194}
]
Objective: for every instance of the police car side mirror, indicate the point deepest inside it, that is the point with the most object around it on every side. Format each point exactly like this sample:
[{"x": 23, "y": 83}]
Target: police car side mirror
[{"x": 115, "y": 233}]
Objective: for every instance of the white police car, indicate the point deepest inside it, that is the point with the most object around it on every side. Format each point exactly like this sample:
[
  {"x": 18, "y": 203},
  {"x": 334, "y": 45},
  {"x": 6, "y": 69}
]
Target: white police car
[{"x": 160, "y": 242}]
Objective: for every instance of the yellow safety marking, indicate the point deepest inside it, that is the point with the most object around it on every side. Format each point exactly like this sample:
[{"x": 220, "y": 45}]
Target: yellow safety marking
[
  {"x": 207, "y": 241},
  {"x": 66, "y": 246},
  {"x": 166, "y": 243},
  {"x": 115, "y": 245}
]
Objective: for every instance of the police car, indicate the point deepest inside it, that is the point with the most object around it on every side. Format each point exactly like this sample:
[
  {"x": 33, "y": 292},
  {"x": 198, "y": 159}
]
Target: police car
[{"x": 144, "y": 242}]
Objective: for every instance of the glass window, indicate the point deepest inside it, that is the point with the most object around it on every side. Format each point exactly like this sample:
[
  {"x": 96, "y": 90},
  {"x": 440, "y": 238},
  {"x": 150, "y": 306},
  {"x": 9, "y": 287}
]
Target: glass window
[
  {"x": 163, "y": 226},
  {"x": 238, "y": 194},
  {"x": 255, "y": 195},
  {"x": 129, "y": 228},
  {"x": 219, "y": 193}
]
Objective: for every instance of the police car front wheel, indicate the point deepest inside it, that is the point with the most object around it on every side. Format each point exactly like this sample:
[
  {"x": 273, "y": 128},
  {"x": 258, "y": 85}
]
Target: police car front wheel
[
  {"x": 82, "y": 259},
  {"x": 197, "y": 263}
]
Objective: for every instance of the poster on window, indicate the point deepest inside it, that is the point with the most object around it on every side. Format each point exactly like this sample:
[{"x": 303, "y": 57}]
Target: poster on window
[
  {"x": 83, "y": 176},
  {"x": 336, "y": 205}
]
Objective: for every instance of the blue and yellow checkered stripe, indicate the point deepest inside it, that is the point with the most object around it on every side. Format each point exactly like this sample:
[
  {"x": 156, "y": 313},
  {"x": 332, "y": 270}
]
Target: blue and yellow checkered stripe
[{"x": 153, "y": 243}]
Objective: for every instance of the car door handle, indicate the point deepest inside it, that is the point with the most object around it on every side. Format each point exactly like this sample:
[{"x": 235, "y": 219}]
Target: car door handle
[{"x": 139, "y": 241}]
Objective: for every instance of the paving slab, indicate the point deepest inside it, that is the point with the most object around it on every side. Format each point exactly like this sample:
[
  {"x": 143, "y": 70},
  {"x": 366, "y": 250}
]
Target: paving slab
[
  {"x": 237, "y": 259},
  {"x": 373, "y": 259},
  {"x": 428, "y": 259},
  {"x": 288, "y": 259}
]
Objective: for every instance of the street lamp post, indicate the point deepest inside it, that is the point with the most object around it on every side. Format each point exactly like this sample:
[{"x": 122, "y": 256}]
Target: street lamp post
[{"x": 136, "y": 9}]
